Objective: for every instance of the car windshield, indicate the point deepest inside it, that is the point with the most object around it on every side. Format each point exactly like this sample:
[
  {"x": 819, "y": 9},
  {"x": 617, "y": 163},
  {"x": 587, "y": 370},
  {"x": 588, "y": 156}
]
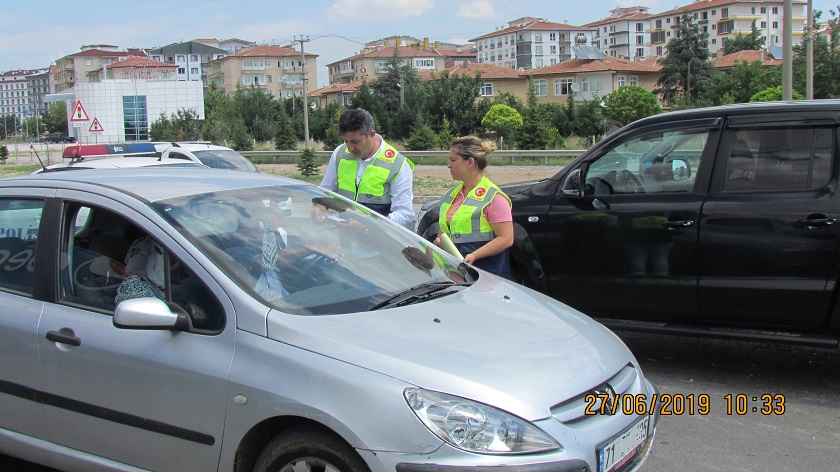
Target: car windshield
[
  {"x": 225, "y": 159},
  {"x": 268, "y": 242}
]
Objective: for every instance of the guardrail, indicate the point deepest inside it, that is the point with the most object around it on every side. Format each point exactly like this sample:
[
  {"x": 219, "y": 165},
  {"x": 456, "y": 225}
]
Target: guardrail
[{"x": 499, "y": 157}]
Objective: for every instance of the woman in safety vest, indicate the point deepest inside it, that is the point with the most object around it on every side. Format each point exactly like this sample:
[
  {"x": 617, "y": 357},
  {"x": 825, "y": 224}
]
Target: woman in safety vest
[{"x": 476, "y": 214}]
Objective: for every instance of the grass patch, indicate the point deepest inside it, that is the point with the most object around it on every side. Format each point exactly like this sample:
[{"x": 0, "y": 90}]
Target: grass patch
[{"x": 13, "y": 170}]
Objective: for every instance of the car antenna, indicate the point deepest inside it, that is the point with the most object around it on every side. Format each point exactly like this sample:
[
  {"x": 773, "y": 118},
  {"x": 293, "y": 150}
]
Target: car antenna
[{"x": 32, "y": 147}]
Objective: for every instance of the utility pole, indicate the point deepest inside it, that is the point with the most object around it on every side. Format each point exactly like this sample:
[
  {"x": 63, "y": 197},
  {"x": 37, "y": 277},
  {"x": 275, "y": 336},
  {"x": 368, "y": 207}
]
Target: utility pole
[
  {"x": 305, "y": 104},
  {"x": 787, "y": 47}
]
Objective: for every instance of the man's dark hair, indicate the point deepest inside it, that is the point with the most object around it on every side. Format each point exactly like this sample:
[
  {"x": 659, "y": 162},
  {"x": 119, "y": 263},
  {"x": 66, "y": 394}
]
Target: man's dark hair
[{"x": 356, "y": 120}]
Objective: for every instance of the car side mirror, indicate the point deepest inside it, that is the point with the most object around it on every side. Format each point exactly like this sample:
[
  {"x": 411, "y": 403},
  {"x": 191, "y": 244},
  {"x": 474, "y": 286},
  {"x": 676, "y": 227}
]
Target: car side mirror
[
  {"x": 680, "y": 169},
  {"x": 572, "y": 186},
  {"x": 149, "y": 313}
]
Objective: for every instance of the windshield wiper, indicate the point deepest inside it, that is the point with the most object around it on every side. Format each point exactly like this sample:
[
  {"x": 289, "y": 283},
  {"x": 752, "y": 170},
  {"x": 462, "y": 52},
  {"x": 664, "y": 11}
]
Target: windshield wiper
[{"x": 418, "y": 293}]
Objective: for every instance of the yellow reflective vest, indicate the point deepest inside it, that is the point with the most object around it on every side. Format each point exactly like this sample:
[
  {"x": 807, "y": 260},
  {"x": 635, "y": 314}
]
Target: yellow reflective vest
[
  {"x": 375, "y": 184},
  {"x": 468, "y": 222}
]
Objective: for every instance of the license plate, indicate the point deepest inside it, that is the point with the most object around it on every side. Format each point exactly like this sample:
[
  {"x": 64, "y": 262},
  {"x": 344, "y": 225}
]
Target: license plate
[{"x": 623, "y": 447}]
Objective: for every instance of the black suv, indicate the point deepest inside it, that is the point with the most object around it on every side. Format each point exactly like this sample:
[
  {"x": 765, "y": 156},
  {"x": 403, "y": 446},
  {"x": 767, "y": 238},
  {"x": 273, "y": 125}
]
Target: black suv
[{"x": 718, "y": 221}]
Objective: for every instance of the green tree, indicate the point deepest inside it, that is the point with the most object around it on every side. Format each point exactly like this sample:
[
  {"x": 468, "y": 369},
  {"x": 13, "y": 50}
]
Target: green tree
[
  {"x": 182, "y": 125},
  {"x": 630, "y": 103},
  {"x": 55, "y": 117},
  {"x": 307, "y": 164},
  {"x": 589, "y": 119},
  {"x": 445, "y": 136},
  {"x": 453, "y": 96},
  {"x": 774, "y": 94},
  {"x": 826, "y": 59},
  {"x": 4, "y": 153},
  {"x": 333, "y": 138},
  {"x": 502, "y": 119},
  {"x": 511, "y": 100},
  {"x": 686, "y": 66},
  {"x": 534, "y": 132},
  {"x": 285, "y": 136},
  {"x": 739, "y": 85},
  {"x": 745, "y": 42},
  {"x": 423, "y": 138}
]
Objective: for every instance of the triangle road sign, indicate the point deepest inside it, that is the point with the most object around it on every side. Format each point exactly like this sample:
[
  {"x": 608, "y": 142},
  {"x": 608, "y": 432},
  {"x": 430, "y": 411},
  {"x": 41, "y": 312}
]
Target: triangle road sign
[
  {"x": 79, "y": 113},
  {"x": 95, "y": 126}
]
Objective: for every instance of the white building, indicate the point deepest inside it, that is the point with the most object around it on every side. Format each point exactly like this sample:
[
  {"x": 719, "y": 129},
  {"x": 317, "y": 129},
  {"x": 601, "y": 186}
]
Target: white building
[
  {"x": 530, "y": 43},
  {"x": 120, "y": 110},
  {"x": 724, "y": 19},
  {"x": 14, "y": 92},
  {"x": 623, "y": 34}
]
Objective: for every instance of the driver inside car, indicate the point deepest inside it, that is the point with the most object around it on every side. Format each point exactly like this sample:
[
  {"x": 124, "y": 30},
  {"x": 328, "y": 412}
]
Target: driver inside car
[{"x": 276, "y": 249}]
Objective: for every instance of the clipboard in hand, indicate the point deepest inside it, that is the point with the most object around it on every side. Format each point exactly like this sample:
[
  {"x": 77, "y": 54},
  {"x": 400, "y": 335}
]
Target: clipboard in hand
[{"x": 448, "y": 246}]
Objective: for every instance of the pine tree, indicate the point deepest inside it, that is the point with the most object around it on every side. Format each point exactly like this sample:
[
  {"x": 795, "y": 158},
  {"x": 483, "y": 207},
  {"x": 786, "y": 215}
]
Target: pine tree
[
  {"x": 4, "y": 153},
  {"x": 686, "y": 66},
  {"x": 307, "y": 165}
]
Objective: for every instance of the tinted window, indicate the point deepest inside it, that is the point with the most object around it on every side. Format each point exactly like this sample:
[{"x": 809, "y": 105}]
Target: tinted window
[
  {"x": 19, "y": 222},
  {"x": 767, "y": 159}
]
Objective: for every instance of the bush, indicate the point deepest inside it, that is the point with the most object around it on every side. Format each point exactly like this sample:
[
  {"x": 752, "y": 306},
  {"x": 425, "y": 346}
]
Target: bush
[
  {"x": 422, "y": 139},
  {"x": 4, "y": 153}
]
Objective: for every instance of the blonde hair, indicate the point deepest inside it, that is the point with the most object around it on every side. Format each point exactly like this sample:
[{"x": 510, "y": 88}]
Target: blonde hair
[{"x": 472, "y": 147}]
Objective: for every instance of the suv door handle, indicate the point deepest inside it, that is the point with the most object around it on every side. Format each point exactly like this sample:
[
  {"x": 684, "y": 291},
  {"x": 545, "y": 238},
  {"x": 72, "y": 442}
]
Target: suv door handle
[
  {"x": 677, "y": 224},
  {"x": 62, "y": 338},
  {"x": 818, "y": 222}
]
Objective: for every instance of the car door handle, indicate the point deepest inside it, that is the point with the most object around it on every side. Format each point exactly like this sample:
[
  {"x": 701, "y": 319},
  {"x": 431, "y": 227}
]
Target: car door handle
[
  {"x": 62, "y": 338},
  {"x": 678, "y": 224},
  {"x": 818, "y": 222}
]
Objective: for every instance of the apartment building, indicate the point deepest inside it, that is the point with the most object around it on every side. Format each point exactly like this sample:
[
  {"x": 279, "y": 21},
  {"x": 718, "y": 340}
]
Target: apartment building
[
  {"x": 623, "y": 34},
  {"x": 371, "y": 62},
  {"x": 41, "y": 84},
  {"x": 590, "y": 79},
  {"x": 724, "y": 19},
  {"x": 73, "y": 69},
  {"x": 15, "y": 92},
  {"x": 530, "y": 43},
  {"x": 230, "y": 45},
  {"x": 189, "y": 58},
  {"x": 276, "y": 70}
]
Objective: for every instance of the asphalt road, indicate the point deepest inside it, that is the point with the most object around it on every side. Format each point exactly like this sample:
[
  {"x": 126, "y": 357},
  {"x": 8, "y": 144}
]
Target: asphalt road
[{"x": 804, "y": 437}]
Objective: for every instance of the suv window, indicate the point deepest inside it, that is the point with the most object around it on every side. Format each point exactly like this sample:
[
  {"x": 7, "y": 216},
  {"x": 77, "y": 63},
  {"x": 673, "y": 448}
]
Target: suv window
[
  {"x": 779, "y": 159},
  {"x": 19, "y": 222},
  {"x": 653, "y": 162}
]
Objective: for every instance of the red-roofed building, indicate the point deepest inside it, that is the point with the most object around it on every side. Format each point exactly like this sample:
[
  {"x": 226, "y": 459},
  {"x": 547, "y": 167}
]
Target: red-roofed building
[
  {"x": 276, "y": 70},
  {"x": 136, "y": 68},
  {"x": 724, "y": 19},
  {"x": 335, "y": 93},
  {"x": 591, "y": 78},
  {"x": 530, "y": 43},
  {"x": 370, "y": 62},
  {"x": 74, "y": 68},
  {"x": 494, "y": 79},
  {"x": 623, "y": 34},
  {"x": 727, "y": 62}
]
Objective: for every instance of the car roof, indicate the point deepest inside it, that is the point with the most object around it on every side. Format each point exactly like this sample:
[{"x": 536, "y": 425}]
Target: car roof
[
  {"x": 754, "y": 108},
  {"x": 117, "y": 163},
  {"x": 189, "y": 146},
  {"x": 152, "y": 183}
]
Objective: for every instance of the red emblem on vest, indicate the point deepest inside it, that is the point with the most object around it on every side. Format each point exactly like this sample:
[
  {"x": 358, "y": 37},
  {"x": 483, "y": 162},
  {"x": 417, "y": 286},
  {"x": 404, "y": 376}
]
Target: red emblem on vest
[
  {"x": 390, "y": 153},
  {"x": 479, "y": 192}
]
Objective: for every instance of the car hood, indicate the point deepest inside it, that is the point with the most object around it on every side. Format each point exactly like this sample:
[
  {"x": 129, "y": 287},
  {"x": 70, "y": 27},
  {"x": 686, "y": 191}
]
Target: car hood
[
  {"x": 495, "y": 342},
  {"x": 518, "y": 187}
]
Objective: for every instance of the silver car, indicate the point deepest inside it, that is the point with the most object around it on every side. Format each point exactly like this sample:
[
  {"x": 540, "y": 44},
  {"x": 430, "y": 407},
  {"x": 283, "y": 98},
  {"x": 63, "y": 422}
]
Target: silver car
[{"x": 182, "y": 319}]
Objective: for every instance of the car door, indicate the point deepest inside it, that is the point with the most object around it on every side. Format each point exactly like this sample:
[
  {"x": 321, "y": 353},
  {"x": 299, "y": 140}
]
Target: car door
[
  {"x": 154, "y": 399},
  {"x": 627, "y": 247},
  {"x": 768, "y": 241},
  {"x": 20, "y": 410}
]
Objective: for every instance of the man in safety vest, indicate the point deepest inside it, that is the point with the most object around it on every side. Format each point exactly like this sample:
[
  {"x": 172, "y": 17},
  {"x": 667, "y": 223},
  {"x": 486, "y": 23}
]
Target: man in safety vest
[{"x": 370, "y": 171}]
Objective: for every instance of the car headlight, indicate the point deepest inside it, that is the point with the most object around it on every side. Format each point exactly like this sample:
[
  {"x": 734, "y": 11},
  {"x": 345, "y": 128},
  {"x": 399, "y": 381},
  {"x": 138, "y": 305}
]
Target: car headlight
[{"x": 476, "y": 427}]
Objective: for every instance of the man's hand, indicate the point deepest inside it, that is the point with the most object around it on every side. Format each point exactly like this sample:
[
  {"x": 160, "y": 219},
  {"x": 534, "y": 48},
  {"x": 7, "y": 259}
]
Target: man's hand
[{"x": 319, "y": 213}]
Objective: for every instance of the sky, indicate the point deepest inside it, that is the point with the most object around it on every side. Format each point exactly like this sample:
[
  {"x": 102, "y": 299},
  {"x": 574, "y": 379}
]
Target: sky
[{"x": 33, "y": 38}]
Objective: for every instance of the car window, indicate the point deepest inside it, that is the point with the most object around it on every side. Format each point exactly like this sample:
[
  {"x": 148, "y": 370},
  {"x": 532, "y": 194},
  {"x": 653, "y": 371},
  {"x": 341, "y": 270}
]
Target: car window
[
  {"x": 19, "y": 222},
  {"x": 267, "y": 242},
  {"x": 779, "y": 159},
  {"x": 107, "y": 259},
  {"x": 653, "y": 162},
  {"x": 225, "y": 159}
]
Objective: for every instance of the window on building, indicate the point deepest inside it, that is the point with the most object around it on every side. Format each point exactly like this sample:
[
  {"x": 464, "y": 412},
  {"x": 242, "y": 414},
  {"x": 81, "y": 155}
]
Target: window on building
[
  {"x": 593, "y": 84},
  {"x": 634, "y": 80},
  {"x": 182, "y": 70},
  {"x": 763, "y": 25},
  {"x": 725, "y": 27},
  {"x": 538, "y": 50},
  {"x": 88, "y": 62},
  {"x": 194, "y": 71},
  {"x": 775, "y": 25},
  {"x": 541, "y": 87},
  {"x": 763, "y": 10},
  {"x": 538, "y": 63},
  {"x": 640, "y": 40},
  {"x": 552, "y": 36},
  {"x": 486, "y": 89},
  {"x": 640, "y": 52},
  {"x": 658, "y": 24},
  {"x": 562, "y": 87},
  {"x": 135, "y": 118},
  {"x": 537, "y": 37},
  {"x": 180, "y": 58},
  {"x": 775, "y": 10},
  {"x": 193, "y": 57},
  {"x": 620, "y": 80},
  {"x": 640, "y": 27},
  {"x": 724, "y": 12}
]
